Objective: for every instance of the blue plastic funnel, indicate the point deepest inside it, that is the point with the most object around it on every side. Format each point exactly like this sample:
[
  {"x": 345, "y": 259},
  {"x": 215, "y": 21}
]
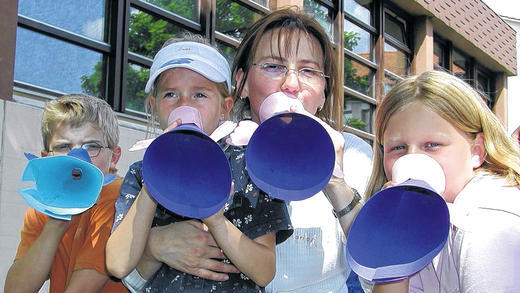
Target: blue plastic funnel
[
  {"x": 399, "y": 230},
  {"x": 64, "y": 185},
  {"x": 186, "y": 172},
  {"x": 290, "y": 156}
]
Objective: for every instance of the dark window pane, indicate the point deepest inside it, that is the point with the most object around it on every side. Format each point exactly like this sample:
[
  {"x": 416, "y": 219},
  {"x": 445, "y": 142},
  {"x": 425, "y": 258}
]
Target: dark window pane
[
  {"x": 484, "y": 88},
  {"x": 147, "y": 34},
  {"x": 396, "y": 28},
  {"x": 226, "y": 50},
  {"x": 438, "y": 55},
  {"x": 460, "y": 65},
  {"x": 85, "y": 18},
  {"x": 358, "y": 40},
  {"x": 189, "y": 9},
  {"x": 395, "y": 61},
  {"x": 321, "y": 13},
  {"x": 483, "y": 82},
  {"x": 361, "y": 9},
  {"x": 136, "y": 78},
  {"x": 234, "y": 19},
  {"x": 358, "y": 114},
  {"x": 53, "y": 64},
  {"x": 358, "y": 76}
]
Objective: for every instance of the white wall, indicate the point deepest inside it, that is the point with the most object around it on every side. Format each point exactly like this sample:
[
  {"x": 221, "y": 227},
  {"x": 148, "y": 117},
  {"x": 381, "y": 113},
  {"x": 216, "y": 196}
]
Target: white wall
[
  {"x": 513, "y": 82},
  {"x": 509, "y": 10},
  {"x": 19, "y": 133}
]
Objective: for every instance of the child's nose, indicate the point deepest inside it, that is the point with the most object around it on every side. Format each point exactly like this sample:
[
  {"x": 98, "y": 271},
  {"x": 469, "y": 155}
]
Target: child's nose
[
  {"x": 185, "y": 101},
  {"x": 412, "y": 149}
]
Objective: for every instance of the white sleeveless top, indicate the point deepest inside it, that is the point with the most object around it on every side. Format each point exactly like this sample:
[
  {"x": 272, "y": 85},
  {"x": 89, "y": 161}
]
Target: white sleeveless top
[{"x": 313, "y": 259}]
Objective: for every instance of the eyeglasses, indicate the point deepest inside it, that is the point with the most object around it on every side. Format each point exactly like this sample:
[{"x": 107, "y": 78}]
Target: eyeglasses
[
  {"x": 279, "y": 71},
  {"x": 93, "y": 148}
]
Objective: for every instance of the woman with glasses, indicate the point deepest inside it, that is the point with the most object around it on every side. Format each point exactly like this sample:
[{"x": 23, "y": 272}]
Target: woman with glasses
[{"x": 287, "y": 51}]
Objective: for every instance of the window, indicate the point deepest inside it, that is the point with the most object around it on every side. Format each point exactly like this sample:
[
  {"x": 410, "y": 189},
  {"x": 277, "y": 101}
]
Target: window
[
  {"x": 234, "y": 19},
  {"x": 322, "y": 13},
  {"x": 358, "y": 77},
  {"x": 38, "y": 64},
  {"x": 361, "y": 29},
  {"x": 395, "y": 27},
  {"x": 396, "y": 49},
  {"x": 485, "y": 86},
  {"x": 189, "y": 9},
  {"x": 464, "y": 67},
  {"x": 361, "y": 10},
  {"x": 440, "y": 56},
  {"x": 460, "y": 65},
  {"x": 86, "y": 18},
  {"x": 105, "y": 48},
  {"x": 358, "y": 114},
  {"x": 358, "y": 40},
  {"x": 82, "y": 43},
  {"x": 396, "y": 61}
]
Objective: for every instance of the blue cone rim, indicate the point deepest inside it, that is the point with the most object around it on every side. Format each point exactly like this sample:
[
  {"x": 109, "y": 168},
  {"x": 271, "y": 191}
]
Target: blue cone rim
[
  {"x": 290, "y": 156},
  {"x": 57, "y": 189},
  {"x": 398, "y": 232},
  {"x": 186, "y": 172}
]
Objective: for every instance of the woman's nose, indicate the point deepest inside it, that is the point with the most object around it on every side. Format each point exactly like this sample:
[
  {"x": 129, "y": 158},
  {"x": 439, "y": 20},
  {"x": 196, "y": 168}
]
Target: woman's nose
[{"x": 291, "y": 82}]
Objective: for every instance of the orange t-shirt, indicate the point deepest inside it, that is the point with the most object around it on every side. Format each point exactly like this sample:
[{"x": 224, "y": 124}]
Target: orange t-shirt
[{"x": 83, "y": 245}]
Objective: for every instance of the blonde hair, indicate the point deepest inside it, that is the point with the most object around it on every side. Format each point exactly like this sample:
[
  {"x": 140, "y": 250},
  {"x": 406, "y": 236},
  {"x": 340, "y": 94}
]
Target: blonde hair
[
  {"x": 152, "y": 113},
  {"x": 458, "y": 103},
  {"x": 77, "y": 110}
]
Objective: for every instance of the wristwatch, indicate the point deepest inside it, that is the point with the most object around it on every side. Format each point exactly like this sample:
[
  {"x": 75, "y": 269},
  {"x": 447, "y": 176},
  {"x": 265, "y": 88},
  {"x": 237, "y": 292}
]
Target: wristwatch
[{"x": 350, "y": 206}]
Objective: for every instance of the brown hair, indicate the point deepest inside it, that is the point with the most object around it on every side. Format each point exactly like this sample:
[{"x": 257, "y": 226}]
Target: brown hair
[{"x": 290, "y": 23}]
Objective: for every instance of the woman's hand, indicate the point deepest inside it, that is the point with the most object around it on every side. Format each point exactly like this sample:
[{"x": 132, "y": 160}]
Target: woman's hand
[{"x": 189, "y": 247}]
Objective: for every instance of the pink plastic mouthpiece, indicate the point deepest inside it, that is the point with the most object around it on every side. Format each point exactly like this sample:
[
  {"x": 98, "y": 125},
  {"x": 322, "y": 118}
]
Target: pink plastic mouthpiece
[
  {"x": 278, "y": 103},
  {"x": 187, "y": 114}
]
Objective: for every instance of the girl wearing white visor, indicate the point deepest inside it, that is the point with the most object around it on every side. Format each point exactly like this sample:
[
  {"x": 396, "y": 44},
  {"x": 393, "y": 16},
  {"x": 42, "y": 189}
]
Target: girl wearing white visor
[{"x": 189, "y": 76}]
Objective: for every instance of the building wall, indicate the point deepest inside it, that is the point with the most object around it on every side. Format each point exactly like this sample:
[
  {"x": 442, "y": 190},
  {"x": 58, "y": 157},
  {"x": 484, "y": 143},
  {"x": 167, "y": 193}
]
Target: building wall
[
  {"x": 19, "y": 133},
  {"x": 513, "y": 84},
  {"x": 479, "y": 24}
]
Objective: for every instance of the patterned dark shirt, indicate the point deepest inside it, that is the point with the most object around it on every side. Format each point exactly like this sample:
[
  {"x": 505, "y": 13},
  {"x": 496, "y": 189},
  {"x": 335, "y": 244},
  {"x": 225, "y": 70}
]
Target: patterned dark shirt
[{"x": 251, "y": 210}]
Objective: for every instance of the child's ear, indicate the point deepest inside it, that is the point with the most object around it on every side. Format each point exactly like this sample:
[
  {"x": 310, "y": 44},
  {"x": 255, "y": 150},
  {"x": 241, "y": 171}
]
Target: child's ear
[
  {"x": 151, "y": 102},
  {"x": 245, "y": 89},
  {"x": 116, "y": 154},
  {"x": 478, "y": 151},
  {"x": 227, "y": 105},
  {"x": 44, "y": 153}
]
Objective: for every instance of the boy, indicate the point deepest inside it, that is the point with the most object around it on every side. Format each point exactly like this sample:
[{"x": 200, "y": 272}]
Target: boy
[{"x": 72, "y": 253}]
